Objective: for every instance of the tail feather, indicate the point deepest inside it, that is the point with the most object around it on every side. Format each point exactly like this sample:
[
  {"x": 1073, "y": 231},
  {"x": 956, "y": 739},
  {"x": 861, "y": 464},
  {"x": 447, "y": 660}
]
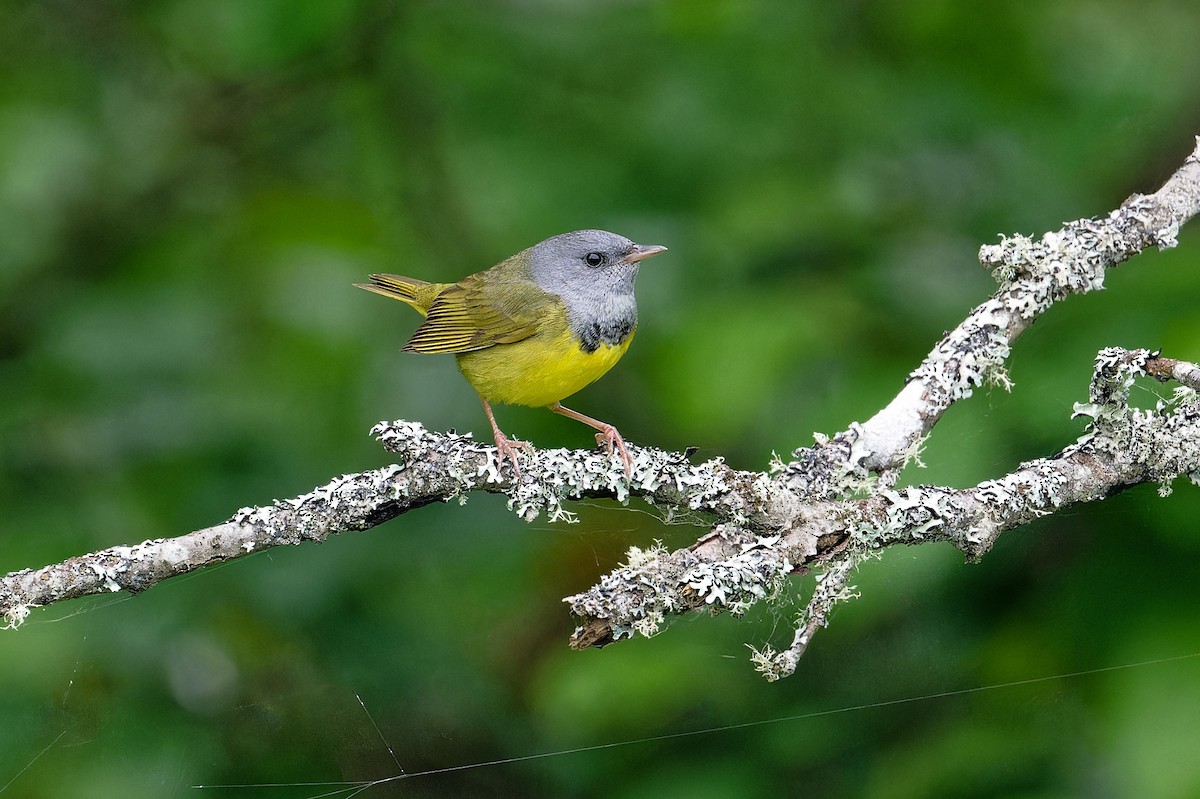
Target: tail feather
[{"x": 409, "y": 290}]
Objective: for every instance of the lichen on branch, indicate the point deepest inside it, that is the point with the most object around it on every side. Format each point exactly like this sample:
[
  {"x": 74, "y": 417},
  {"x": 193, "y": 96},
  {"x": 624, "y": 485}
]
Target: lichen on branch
[{"x": 824, "y": 510}]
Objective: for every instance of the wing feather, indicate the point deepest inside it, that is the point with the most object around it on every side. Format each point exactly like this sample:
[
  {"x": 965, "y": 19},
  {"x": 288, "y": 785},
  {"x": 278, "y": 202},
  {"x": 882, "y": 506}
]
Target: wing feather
[{"x": 481, "y": 311}]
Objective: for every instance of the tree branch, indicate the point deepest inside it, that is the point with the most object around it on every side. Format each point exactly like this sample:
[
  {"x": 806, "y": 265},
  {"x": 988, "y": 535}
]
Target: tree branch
[
  {"x": 828, "y": 508},
  {"x": 432, "y": 467}
]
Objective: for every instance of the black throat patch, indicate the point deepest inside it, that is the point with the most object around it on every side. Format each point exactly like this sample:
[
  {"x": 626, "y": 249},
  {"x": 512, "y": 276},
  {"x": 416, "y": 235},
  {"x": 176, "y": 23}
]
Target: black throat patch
[{"x": 594, "y": 333}]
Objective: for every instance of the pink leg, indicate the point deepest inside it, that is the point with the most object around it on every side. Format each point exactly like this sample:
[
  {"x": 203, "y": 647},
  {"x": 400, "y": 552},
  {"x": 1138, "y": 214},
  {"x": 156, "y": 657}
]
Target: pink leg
[
  {"x": 608, "y": 435},
  {"x": 507, "y": 448}
]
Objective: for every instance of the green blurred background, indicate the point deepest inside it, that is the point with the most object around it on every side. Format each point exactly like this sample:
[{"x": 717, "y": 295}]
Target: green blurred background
[{"x": 187, "y": 191}]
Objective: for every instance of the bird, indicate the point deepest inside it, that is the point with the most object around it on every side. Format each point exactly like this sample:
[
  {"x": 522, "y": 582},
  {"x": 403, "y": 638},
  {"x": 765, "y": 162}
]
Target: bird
[{"x": 536, "y": 327}]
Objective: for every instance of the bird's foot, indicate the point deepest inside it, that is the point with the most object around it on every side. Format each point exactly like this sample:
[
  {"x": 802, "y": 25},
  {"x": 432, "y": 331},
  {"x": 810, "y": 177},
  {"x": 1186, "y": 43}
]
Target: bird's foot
[
  {"x": 609, "y": 438},
  {"x": 507, "y": 449}
]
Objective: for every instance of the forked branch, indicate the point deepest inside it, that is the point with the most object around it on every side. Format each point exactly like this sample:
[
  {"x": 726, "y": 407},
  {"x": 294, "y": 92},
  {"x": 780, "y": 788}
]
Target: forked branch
[{"x": 829, "y": 507}]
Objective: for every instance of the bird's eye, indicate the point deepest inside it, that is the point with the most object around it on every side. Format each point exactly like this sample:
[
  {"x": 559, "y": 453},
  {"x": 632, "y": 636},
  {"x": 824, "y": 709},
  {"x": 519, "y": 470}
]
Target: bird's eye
[{"x": 593, "y": 259}]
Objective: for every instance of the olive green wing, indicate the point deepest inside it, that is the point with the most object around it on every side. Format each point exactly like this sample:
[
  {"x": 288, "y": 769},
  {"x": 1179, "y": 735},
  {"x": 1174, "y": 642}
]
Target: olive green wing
[{"x": 481, "y": 311}]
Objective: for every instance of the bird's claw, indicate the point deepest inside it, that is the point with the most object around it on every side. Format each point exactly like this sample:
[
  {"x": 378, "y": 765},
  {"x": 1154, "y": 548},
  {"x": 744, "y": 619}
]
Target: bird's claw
[
  {"x": 608, "y": 437},
  {"x": 507, "y": 449}
]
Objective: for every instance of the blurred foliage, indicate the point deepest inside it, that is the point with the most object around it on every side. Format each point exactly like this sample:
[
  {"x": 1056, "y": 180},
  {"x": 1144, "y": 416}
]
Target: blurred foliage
[{"x": 187, "y": 190}]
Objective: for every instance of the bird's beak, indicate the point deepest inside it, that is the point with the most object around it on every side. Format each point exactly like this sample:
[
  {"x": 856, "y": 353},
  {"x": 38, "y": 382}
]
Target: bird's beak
[{"x": 643, "y": 251}]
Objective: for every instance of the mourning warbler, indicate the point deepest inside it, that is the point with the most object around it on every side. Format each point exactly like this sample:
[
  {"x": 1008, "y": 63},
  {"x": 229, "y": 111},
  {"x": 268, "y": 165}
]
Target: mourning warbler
[{"x": 534, "y": 328}]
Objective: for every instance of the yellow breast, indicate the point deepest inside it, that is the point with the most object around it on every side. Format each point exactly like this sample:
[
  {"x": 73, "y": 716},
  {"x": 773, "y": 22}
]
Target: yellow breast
[{"x": 539, "y": 370}]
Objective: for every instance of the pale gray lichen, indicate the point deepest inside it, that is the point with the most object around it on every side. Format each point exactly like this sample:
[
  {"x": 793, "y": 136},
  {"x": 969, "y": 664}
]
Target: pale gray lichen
[
  {"x": 635, "y": 598},
  {"x": 1149, "y": 437},
  {"x": 823, "y": 470},
  {"x": 853, "y": 478},
  {"x": 1068, "y": 261},
  {"x": 655, "y": 583},
  {"x": 767, "y": 661},
  {"x": 650, "y": 624},
  {"x": 832, "y": 588},
  {"x": 1074, "y": 260},
  {"x": 108, "y": 574},
  {"x": 912, "y": 453},
  {"x": 558, "y": 475},
  {"x": 636, "y": 557},
  {"x": 1034, "y": 491},
  {"x": 998, "y": 377},
  {"x": 917, "y": 511},
  {"x": 966, "y": 358},
  {"x": 1165, "y": 442},
  {"x": 1134, "y": 445},
  {"x": 909, "y": 515},
  {"x": 737, "y": 583},
  {"x": 14, "y": 616},
  {"x": 1184, "y": 396},
  {"x": 832, "y": 467},
  {"x": 465, "y": 462},
  {"x": 1114, "y": 372},
  {"x": 551, "y": 477}
]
